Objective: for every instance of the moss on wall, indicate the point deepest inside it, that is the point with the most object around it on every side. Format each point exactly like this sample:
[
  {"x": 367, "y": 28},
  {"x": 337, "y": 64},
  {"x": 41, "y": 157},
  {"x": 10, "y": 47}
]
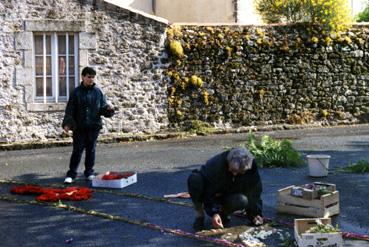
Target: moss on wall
[{"x": 247, "y": 75}]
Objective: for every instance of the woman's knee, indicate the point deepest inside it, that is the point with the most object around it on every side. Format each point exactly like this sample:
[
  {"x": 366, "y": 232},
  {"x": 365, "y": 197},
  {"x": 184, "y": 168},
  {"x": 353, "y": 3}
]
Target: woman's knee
[
  {"x": 195, "y": 185},
  {"x": 237, "y": 201},
  {"x": 195, "y": 181}
]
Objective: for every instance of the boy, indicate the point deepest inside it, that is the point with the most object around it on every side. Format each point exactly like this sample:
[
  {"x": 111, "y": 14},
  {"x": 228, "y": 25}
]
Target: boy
[{"x": 83, "y": 114}]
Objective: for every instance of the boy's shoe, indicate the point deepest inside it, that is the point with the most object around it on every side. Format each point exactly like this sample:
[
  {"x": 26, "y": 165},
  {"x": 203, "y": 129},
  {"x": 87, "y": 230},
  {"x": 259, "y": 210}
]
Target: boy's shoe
[
  {"x": 68, "y": 180},
  {"x": 90, "y": 177},
  {"x": 198, "y": 224}
]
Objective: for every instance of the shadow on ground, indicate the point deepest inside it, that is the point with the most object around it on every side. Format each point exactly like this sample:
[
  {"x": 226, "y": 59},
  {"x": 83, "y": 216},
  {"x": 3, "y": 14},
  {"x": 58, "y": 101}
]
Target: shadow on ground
[{"x": 28, "y": 225}]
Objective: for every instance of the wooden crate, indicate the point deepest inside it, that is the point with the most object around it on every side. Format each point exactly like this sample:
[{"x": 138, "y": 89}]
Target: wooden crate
[
  {"x": 301, "y": 191},
  {"x": 304, "y": 239},
  {"x": 325, "y": 206}
]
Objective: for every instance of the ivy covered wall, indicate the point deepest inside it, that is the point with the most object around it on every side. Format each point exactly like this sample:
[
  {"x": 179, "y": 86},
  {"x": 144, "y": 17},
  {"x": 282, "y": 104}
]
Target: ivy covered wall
[{"x": 256, "y": 75}]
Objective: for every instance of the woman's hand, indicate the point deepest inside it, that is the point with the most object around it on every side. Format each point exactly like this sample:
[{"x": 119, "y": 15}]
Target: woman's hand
[
  {"x": 109, "y": 108},
  {"x": 66, "y": 129},
  {"x": 258, "y": 220},
  {"x": 217, "y": 221}
]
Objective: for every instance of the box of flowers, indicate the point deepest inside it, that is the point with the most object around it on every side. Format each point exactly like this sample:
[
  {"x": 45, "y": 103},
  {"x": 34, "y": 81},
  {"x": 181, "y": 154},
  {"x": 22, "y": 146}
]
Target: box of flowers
[
  {"x": 317, "y": 232},
  {"x": 112, "y": 179}
]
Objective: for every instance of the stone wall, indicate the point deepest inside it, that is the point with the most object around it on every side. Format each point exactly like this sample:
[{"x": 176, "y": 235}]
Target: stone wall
[
  {"x": 248, "y": 75},
  {"x": 228, "y": 76},
  {"x": 126, "y": 49}
]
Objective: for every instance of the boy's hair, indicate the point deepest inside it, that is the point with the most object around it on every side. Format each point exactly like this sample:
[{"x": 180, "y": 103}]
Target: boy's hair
[{"x": 88, "y": 70}]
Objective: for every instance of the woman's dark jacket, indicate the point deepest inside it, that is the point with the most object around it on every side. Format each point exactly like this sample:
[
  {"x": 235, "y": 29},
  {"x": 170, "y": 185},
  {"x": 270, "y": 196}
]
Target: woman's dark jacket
[
  {"x": 220, "y": 182},
  {"x": 85, "y": 107}
]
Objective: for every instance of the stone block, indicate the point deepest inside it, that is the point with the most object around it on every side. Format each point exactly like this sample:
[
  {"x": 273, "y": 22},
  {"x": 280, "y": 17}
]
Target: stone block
[
  {"x": 54, "y": 26},
  {"x": 23, "y": 76},
  {"x": 23, "y": 41},
  {"x": 83, "y": 58},
  {"x": 28, "y": 59},
  {"x": 87, "y": 40}
]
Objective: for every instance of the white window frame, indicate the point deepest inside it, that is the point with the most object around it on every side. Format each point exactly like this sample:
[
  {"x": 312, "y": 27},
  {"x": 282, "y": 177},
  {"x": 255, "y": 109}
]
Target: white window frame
[
  {"x": 87, "y": 42},
  {"x": 55, "y": 98}
]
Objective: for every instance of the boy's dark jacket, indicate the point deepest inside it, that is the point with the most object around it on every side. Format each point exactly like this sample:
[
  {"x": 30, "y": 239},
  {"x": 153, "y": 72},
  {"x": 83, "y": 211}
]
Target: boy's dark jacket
[
  {"x": 219, "y": 181},
  {"x": 85, "y": 107}
]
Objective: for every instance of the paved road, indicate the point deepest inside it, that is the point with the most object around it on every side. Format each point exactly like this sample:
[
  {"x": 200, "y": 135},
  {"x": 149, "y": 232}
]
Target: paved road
[{"x": 163, "y": 167}]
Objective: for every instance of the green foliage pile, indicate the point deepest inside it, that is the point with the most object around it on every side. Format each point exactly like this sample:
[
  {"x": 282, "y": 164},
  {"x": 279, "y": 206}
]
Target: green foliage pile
[
  {"x": 323, "y": 228},
  {"x": 363, "y": 16},
  {"x": 323, "y": 15},
  {"x": 286, "y": 240},
  {"x": 362, "y": 166},
  {"x": 273, "y": 153}
]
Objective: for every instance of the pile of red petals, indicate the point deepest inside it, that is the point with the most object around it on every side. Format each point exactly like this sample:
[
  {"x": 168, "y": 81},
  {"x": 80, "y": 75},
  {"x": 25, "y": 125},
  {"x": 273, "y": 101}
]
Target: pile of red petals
[
  {"x": 46, "y": 194},
  {"x": 117, "y": 175}
]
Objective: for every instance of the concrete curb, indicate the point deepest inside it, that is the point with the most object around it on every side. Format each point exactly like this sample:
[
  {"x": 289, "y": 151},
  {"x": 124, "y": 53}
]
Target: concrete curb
[{"x": 120, "y": 137}]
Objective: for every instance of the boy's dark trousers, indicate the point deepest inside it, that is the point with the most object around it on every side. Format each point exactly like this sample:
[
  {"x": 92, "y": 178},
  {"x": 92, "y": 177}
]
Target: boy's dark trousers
[{"x": 83, "y": 139}]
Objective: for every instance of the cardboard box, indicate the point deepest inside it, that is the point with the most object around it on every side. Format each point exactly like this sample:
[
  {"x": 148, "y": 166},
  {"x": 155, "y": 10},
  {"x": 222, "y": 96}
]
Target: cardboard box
[
  {"x": 304, "y": 239},
  {"x": 324, "y": 206},
  {"x": 114, "y": 183}
]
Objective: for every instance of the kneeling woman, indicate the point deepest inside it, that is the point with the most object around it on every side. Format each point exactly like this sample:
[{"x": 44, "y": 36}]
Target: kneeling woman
[{"x": 228, "y": 182}]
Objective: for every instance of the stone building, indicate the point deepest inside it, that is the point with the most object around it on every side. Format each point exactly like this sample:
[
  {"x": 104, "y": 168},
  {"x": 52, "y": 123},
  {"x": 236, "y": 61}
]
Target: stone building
[
  {"x": 45, "y": 44},
  {"x": 197, "y": 11},
  {"x": 210, "y": 11}
]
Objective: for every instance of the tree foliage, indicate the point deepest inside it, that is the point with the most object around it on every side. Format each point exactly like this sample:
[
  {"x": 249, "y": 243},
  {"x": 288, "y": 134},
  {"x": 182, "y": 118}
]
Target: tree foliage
[
  {"x": 276, "y": 11},
  {"x": 328, "y": 15},
  {"x": 363, "y": 16}
]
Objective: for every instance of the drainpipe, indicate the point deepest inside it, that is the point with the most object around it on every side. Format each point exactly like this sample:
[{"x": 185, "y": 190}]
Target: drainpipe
[
  {"x": 235, "y": 3},
  {"x": 352, "y": 8}
]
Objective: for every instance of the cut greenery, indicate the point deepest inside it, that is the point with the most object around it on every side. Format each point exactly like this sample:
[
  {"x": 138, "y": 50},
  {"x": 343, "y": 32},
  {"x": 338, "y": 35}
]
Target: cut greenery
[
  {"x": 362, "y": 166},
  {"x": 286, "y": 240},
  {"x": 323, "y": 228},
  {"x": 273, "y": 153},
  {"x": 197, "y": 127}
]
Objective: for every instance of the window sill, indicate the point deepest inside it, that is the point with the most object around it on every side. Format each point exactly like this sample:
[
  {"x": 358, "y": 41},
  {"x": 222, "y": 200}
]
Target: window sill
[{"x": 46, "y": 107}]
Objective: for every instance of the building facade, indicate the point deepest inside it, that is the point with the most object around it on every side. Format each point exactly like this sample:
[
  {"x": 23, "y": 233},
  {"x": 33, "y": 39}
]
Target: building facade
[
  {"x": 208, "y": 11},
  {"x": 44, "y": 46}
]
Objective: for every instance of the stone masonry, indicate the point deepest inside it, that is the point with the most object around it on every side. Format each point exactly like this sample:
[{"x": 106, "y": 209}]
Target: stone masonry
[
  {"x": 266, "y": 75},
  {"x": 126, "y": 49}
]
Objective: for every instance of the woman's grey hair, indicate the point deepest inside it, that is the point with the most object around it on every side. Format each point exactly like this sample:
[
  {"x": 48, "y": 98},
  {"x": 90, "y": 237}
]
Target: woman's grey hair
[{"x": 240, "y": 159}]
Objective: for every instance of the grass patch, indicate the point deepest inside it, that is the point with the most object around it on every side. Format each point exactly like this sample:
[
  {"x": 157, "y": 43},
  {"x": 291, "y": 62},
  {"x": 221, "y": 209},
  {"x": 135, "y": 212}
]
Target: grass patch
[
  {"x": 273, "y": 153},
  {"x": 362, "y": 166}
]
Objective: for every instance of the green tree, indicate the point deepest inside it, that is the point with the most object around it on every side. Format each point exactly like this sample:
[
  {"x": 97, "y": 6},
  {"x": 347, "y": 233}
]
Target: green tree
[
  {"x": 363, "y": 16},
  {"x": 328, "y": 15},
  {"x": 276, "y": 11}
]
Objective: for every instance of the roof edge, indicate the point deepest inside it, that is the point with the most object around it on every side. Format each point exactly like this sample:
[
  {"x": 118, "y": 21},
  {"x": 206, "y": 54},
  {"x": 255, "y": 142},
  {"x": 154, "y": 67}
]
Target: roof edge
[{"x": 136, "y": 11}]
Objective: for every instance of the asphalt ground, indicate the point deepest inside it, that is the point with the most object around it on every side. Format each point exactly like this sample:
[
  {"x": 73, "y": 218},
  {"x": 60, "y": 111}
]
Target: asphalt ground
[{"x": 163, "y": 167}]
